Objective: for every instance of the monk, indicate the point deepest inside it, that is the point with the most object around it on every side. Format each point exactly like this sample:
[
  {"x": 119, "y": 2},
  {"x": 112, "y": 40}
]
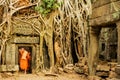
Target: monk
[{"x": 24, "y": 59}]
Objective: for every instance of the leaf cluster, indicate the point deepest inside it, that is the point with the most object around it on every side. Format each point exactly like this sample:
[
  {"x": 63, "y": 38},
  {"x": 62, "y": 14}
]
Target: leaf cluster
[{"x": 47, "y": 6}]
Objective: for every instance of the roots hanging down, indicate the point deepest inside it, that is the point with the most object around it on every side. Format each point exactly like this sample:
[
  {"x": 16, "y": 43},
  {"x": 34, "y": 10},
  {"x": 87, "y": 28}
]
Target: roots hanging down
[
  {"x": 58, "y": 29},
  {"x": 71, "y": 23}
]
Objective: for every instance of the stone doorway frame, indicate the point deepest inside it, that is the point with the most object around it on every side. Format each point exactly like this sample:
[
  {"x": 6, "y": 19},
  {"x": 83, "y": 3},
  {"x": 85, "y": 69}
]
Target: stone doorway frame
[
  {"x": 32, "y": 54},
  {"x": 93, "y": 47}
]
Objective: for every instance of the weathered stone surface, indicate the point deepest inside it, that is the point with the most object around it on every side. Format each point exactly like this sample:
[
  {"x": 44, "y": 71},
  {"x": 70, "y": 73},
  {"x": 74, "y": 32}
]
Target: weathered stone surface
[
  {"x": 112, "y": 65},
  {"x": 6, "y": 75},
  {"x": 105, "y": 14},
  {"x": 68, "y": 71},
  {"x": 2, "y": 67},
  {"x": 11, "y": 58},
  {"x": 113, "y": 69},
  {"x": 94, "y": 78},
  {"x": 99, "y": 3},
  {"x": 117, "y": 70},
  {"x": 12, "y": 68},
  {"x": 10, "y": 54},
  {"x": 79, "y": 70},
  {"x": 103, "y": 68},
  {"x": 102, "y": 74},
  {"x": 112, "y": 79},
  {"x": 25, "y": 40},
  {"x": 105, "y": 9},
  {"x": 118, "y": 44},
  {"x": 25, "y": 28},
  {"x": 69, "y": 68},
  {"x": 106, "y": 19},
  {"x": 9, "y": 68},
  {"x": 112, "y": 74}
]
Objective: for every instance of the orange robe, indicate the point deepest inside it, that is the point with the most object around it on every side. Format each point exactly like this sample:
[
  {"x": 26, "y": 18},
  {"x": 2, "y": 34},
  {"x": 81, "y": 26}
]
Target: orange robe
[{"x": 24, "y": 60}]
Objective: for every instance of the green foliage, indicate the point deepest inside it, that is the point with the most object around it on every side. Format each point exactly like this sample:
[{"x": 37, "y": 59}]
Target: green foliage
[{"x": 47, "y": 6}]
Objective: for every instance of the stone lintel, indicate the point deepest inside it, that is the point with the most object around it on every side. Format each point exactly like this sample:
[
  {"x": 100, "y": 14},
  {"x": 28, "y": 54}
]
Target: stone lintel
[
  {"x": 107, "y": 19},
  {"x": 26, "y": 39}
]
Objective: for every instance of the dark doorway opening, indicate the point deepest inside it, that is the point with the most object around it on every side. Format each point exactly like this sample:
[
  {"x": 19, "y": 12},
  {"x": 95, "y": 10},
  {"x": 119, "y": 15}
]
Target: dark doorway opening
[
  {"x": 29, "y": 50},
  {"x": 103, "y": 46},
  {"x": 108, "y": 43},
  {"x": 73, "y": 46},
  {"x": 113, "y": 53}
]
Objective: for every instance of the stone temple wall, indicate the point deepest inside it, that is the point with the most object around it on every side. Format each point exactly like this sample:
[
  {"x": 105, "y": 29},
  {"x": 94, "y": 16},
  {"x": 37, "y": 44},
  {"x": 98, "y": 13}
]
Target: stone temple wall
[
  {"x": 23, "y": 35},
  {"x": 105, "y": 14},
  {"x": 105, "y": 11}
]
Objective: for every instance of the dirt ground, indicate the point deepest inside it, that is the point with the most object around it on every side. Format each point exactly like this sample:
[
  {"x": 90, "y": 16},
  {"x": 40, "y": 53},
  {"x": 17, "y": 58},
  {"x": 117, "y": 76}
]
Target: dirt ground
[{"x": 41, "y": 76}]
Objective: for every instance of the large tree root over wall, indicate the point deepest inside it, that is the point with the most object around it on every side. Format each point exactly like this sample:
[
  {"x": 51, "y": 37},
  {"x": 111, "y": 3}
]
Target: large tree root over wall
[{"x": 57, "y": 29}]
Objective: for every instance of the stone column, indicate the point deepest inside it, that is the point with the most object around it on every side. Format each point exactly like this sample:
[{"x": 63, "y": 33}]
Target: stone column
[
  {"x": 117, "y": 70},
  {"x": 93, "y": 50},
  {"x": 118, "y": 49}
]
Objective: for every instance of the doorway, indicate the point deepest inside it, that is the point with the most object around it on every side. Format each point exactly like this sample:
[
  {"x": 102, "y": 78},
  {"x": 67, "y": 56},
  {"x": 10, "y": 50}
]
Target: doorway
[
  {"x": 28, "y": 58},
  {"x": 108, "y": 44}
]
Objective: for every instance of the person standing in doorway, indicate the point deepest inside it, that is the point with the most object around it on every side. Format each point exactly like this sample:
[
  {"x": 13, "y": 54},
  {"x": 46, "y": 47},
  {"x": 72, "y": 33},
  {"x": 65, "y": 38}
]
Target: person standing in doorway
[{"x": 24, "y": 59}]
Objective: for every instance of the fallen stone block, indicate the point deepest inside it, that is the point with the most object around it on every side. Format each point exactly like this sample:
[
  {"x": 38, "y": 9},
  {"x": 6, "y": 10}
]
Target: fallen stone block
[
  {"x": 102, "y": 74},
  {"x": 112, "y": 74},
  {"x": 103, "y": 68},
  {"x": 94, "y": 78},
  {"x": 79, "y": 70},
  {"x": 117, "y": 69}
]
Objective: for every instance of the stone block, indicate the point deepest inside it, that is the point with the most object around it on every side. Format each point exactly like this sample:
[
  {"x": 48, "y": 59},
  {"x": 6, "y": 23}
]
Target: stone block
[
  {"x": 112, "y": 79},
  {"x": 106, "y": 19},
  {"x": 100, "y": 11},
  {"x": 12, "y": 68},
  {"x": 102, "y": 74},
  {"x": 94, "y": 78},
  {"x": 69, "y": 68},
  {"x": 117, "y": 69},
  {"x": 112, "y": 64},
  {"x": 99, "y": 3},
  {"x": 25, "y": 39},
  {"x": 79, "y": 70},
  {"x": 112, "y": 74},
  {"x": 3, "y": 68},
  {"x": 24, "y": 28},
  {"x": 103, "y": 68},
  {"x": 105, "y": 9},
  {"x": 113, "y": 69}
]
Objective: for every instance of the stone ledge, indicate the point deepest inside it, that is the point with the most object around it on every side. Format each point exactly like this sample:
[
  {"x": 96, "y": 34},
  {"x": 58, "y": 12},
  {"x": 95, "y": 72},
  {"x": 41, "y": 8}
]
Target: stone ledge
[
  {"x": 106, "y": 19},
  {"x": 9, "y": 68},
  {"x": 117, "y": 69},
  {"x": 26, "y": 39}
]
